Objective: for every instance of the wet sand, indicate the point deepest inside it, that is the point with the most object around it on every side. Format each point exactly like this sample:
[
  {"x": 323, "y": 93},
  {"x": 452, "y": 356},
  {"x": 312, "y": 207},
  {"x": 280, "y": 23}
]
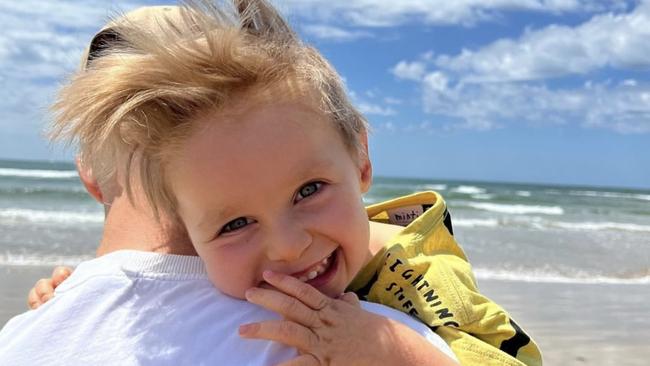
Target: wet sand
[{"x": 574, "y": 324}]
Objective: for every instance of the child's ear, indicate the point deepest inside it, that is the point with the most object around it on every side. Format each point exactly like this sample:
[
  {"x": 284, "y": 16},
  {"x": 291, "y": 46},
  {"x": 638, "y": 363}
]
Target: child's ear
[
  {"x": 89, "y": 181},
  {"x": 365, "y": 166}
]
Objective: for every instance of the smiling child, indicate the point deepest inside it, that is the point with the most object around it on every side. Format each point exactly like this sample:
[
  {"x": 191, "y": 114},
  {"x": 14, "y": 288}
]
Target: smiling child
[{"x": 245, "y": 135}]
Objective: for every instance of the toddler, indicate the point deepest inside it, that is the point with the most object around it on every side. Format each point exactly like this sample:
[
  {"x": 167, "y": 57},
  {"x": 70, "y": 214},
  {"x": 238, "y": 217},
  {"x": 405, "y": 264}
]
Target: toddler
[{"x": 245, "y": 136}]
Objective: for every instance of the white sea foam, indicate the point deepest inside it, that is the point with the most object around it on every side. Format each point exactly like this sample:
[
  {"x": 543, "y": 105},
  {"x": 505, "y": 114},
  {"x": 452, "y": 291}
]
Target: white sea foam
[
  {"x": 435, "y": 187},
  {"x": 483, "y": 196},
  {"x": 475, "y": 222},
  {"x": 468, "y": 190},
  {"x": 523, "y": 193},
  {"x": 517, "y": 209},
  {"x": 64, "y": 189},
  {"x": 550, "y": 277},
  {"x": 57, "y": 217},
  {"x": 387, "y": 185},
  {"x": 643, "y": 197},
  {"x": 539, "y": 223},
  {"x": 602, "y": 226},
  {"x": 8, "y": 259},
  {"x": 36, "y": 173}
]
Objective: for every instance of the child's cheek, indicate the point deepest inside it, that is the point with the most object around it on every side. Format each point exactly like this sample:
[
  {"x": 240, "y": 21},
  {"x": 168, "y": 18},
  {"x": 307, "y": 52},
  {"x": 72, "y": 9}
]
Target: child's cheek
[
  {"x": 340, "y": 214},
  {"x": 233, "y": 269}
]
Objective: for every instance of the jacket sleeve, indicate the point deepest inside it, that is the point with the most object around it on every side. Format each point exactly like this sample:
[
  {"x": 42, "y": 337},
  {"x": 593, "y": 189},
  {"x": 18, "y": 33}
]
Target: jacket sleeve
[
  {"x": 483, "y": 319},
  {"x": 441, "y": 291}
]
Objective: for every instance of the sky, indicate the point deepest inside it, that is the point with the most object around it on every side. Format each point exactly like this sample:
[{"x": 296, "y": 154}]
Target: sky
[{"x": 537, "y": 91}]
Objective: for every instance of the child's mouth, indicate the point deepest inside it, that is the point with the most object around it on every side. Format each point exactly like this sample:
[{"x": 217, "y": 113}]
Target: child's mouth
[{"x": 320, "y": 273}]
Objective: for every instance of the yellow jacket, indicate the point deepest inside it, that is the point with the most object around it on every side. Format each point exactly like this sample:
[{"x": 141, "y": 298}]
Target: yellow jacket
[{"x": 423, "y": 272}]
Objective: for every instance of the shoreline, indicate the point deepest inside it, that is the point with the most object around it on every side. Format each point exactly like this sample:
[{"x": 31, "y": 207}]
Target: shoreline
[{"x": 573, "y": 324}]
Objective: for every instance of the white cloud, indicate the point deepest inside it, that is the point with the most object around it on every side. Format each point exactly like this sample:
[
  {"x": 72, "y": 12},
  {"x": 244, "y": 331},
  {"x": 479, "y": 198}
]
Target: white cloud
[
  {"x": 608, "y": 40},
  {"x": 329, "y": 32},
  {"x": 387, "y": 126},
  {"x": 436, "y": 81},
  {"x": 506, "y": 82},
  {"x": 370, "y": 108},
  {"x": 385, "y": 13},
  {"x": 391, "y": 127},
  {"x": 409, "y": 70},
  {"x": 629, "y": 82},
  {"x": 393, "y": 101},
  {"x": 41, "y": 42},
  {"x": 422, "y": 127},
  {"x": 482, "y": 106}
]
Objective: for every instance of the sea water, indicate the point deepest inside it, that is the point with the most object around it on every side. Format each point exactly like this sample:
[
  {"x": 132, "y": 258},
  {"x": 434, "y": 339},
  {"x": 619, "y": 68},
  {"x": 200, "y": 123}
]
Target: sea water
[{"x": 522, "y": 232}]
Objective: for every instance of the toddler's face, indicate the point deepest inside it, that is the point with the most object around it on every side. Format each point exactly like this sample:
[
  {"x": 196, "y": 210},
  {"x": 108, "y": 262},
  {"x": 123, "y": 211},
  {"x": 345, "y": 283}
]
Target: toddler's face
[{"x": 273, "y": 188}]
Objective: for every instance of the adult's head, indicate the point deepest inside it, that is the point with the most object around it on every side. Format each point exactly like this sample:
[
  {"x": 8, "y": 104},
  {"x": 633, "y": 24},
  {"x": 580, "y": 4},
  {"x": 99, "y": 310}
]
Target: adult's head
[
  {"x": 154, "y": 71},
  {"x": 129, "y": 221}
]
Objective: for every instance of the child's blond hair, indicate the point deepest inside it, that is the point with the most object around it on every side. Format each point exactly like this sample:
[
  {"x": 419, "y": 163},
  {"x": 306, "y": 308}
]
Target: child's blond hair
[{"x": 140, "y": 90}]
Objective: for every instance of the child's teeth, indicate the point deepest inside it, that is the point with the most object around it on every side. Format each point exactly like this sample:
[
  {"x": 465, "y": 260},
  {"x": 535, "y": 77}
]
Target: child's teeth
[
  {"x": 327, "y": 259},
  {"x": 319, "y": 269}
]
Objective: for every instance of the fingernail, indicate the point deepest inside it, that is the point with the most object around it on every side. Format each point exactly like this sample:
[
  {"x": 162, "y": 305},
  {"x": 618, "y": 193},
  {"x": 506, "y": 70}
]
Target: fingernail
[
  {"x": 247, "y": 329},
  {"x": 244, "y": 329},
  {"x": 249, "y": 293},
  {"x": 269, "y": 274}
]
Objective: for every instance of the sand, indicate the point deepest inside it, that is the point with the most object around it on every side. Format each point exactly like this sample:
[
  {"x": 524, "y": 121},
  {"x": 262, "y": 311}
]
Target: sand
[
  {"x": 580, "y": 324},
  {"x": 15, "y": 283},
  {"x": 574, "y": 324}
]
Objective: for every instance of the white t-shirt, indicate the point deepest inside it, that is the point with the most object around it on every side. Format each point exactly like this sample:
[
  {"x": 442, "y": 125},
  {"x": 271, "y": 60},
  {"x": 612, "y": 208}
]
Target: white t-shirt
[{"x": 141, "y": 308}]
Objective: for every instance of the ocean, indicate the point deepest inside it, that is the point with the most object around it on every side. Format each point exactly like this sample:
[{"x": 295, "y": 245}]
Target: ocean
[{"x": 514, "y": 232}]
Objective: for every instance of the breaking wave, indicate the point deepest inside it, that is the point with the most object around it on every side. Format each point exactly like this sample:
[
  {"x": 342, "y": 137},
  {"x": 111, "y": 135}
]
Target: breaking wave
[
  {"x": 550, "y": 277},
  {"x": 37, "y": 173},
  {"x": 57, "y": 217},
  {"x": 517, "y": 209}
]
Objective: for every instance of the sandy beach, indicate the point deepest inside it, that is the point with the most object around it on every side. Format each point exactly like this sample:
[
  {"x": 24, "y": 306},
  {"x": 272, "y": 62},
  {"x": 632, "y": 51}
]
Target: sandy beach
[
  {"x": 15, "y": 283},
  {"x": 574, "y": 324},
  {"x": 580, "y": 324}
]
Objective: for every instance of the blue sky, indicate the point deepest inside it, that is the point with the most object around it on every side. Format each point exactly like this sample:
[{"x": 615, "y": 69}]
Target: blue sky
[{"x": 547, "y": 91}]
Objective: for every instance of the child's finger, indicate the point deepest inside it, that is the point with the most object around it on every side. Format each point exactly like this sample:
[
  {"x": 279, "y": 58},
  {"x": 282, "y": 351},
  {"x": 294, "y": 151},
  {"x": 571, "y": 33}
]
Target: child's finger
[
  {"x": 283, "y": 331},
  {"x": 44, "y": 289},
  {"x": 351, "y": 298},
  {"x": 33, "y": 300},
  {"x": 298, "y": 289},
  {"x": 283, "y": 304},
  {"x": 40, "y": 293},
  {"x": 59, "y": 275},
  {"x": 302, "y": 360}
]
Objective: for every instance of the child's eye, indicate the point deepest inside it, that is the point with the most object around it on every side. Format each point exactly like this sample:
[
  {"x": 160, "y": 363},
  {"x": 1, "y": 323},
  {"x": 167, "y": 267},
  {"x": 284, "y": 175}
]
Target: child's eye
[
  {"x": 235, "y": 224},
  {"x": 308, "y": 190}
]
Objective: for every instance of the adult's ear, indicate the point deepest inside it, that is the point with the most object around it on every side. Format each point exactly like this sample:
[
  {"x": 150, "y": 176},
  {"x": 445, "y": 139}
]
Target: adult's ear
[
  {"x": 365, "y": 166},
  {"x": 89, "y": 181}
]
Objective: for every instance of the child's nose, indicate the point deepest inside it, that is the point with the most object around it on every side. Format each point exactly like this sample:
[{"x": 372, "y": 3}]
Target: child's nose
[{"x": 287, "y": 242}]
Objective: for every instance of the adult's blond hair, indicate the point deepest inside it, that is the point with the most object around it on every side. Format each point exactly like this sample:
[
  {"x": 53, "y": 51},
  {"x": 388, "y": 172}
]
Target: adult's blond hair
[{"x": 138, "y": 94}]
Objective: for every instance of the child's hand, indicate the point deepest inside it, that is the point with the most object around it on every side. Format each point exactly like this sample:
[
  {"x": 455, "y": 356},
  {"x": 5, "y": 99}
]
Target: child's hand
[
  {"x": 330, "y": 331},
  {"x": 44, "y": 288}
]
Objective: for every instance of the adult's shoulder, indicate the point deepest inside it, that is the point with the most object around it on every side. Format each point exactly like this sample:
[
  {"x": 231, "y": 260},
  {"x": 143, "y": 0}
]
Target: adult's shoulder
[
  {"x": 115, "y": 312},
  {"x": 412, "y": 323},
  {"x": 138, "y": 309}
]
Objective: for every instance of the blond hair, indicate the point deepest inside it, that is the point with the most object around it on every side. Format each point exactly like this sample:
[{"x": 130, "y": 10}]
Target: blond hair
[{"x": 137, "y": 97}]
